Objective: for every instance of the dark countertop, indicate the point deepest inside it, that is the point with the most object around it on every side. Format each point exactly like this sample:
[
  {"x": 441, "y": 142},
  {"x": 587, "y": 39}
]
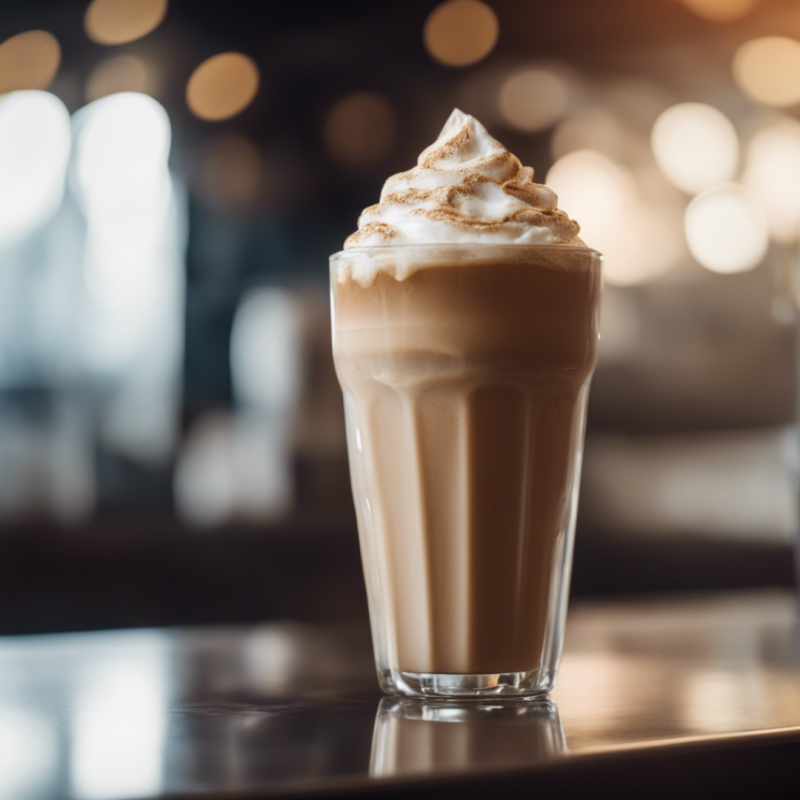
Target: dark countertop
[
  {"x": 655, "y": 695},
  {"x": 153, "y": 572}
]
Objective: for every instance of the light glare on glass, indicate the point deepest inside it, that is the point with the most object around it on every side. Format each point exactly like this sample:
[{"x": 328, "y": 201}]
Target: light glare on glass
[
  {"x": 768, "y": 70},
  {"x": 119, "y": 21},
  {"x": 726, "y": 229},
  {"x": 696, "y": 146},
  {"x": 222, "y": 86},
  {"x": 28, "y": 60},
  {"x": 460, "y": 32}
]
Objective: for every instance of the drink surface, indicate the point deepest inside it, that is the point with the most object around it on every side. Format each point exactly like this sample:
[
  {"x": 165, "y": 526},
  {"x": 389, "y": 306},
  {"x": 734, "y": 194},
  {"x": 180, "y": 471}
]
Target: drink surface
[{"x": 465, "y": 390}]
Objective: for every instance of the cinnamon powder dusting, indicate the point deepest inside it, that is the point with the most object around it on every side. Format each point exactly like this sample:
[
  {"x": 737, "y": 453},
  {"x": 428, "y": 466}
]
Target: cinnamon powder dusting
[{"x": 466, "y": 187}]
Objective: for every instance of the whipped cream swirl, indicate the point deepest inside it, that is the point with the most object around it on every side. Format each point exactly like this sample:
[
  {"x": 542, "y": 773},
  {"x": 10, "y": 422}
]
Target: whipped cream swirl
[{"x": 466, "y": 188}]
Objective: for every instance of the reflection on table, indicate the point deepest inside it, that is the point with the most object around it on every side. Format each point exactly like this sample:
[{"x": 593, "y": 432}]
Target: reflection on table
[
  {"x": 413, "y": 736},
  {"x": 147, "y": 713}
]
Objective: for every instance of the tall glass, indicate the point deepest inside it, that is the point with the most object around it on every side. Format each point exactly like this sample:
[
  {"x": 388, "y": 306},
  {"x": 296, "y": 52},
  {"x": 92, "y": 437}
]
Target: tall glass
[{"x": 465, "y": 371}]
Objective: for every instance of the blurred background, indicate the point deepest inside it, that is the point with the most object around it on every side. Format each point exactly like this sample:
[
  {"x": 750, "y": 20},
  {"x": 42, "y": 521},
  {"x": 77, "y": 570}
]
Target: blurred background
[{"x": 173, "y": 178}]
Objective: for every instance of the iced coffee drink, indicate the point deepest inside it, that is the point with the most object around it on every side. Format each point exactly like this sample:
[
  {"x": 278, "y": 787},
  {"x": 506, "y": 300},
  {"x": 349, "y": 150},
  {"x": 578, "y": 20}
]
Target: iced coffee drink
[{"x": 465, "y": 323}]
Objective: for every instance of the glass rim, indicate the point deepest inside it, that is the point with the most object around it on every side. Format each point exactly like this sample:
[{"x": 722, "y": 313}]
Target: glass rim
[{"x": 483, "y": 247}]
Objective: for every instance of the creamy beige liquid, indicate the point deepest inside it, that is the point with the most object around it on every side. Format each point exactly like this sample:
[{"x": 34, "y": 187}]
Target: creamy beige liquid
[{"x": 467, "y": 386}]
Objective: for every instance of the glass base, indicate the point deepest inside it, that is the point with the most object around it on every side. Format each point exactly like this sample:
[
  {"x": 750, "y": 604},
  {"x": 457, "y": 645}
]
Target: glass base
[{"x": 475, "y": 685}]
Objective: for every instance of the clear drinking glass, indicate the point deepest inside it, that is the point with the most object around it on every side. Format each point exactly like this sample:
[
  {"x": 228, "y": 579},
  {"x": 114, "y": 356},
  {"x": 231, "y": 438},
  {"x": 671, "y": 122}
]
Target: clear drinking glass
[{"x": 465, "y": 371}]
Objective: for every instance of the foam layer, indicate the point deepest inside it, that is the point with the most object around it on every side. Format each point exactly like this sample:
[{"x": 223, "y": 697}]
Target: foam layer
[{"x": 466, "y": 188}]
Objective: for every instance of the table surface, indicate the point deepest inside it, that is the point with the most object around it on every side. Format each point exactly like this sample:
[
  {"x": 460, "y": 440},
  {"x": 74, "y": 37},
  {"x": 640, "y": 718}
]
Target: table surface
[{"x": 288, "y": 708}]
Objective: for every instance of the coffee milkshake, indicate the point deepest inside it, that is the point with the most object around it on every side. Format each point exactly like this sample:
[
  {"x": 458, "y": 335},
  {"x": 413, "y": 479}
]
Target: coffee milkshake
[{"x": 465, "y": 333}]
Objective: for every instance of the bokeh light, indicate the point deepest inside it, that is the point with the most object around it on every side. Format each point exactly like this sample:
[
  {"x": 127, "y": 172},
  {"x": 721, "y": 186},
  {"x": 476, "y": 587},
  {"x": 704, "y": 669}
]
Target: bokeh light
[
  {"x": 637, "y": 102},
  {"x": 124, "y": 140},
  {"x": 118, "y": 722},
  {"x": 636, "y": 238},
  {"x": 768, "y": 70},
  {"x": 696, "y": 146},
  {"x": 656, "y": 244},
  {"x": 123, "y": 186},
  {"x": 726, "y": 229},
  {"x": 460, "y": 32},
  {"x": 620, "y": 324},
  {"x": 133, "y": 268},
  {"x": 35, "y": 143},
  {"x": 721, "y": 10},
  {"x": 233, "y": 468},
  {"x": 222, "y": 86},
  {"x": 597, "y": 192},
  {"x": 772, "y": 172},
  {"x": 230, "y": 172},
  {"x": 360, "y": 129},
  {"x": 589, "y": 128},
  {"x": 534, "y": 98},
  {"x": 28, "y": 752},
  {"x": 119, "y": 21},
  {"x": 124, "y": 73},
  {"x": 266, "y": 352},
  {"x": 478, "y": 90},
  {"x": 28, "y": 60}
]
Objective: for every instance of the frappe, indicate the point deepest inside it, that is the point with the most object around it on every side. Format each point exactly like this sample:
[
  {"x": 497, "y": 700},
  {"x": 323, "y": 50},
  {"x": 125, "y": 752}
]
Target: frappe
[{"x": 465, "y": 327}]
